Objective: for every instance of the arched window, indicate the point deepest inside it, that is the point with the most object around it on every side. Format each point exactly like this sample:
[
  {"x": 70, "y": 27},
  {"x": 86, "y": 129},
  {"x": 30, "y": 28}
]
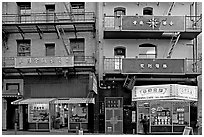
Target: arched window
[
  {"x": 147, "y": 51},
  {"x": 120, "y": 51},
  {"x": 148, "y": 11},
  {"x": 118, "y": 11}
]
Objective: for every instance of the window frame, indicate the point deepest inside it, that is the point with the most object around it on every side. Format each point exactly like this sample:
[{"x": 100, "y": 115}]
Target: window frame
[
  {"x": 24, "y": 42},
  {"x": 118, "y": 9},
  {"x": 119, "y": 48},
  {"x": 148, "y": 10},
  {"x": 79, "y": 53},
  {"x": 49, "y": 45},
  {"x": 148, "y": 46}
]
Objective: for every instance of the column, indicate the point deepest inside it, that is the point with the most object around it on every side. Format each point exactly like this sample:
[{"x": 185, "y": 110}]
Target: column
[
  {"x": 20, "y": 108},
  {"x": 4, "y": 116}
]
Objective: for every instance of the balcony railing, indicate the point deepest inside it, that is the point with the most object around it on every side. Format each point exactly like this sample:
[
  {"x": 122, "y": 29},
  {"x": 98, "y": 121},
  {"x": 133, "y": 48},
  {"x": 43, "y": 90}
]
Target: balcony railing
[
  {"x": 153, "y": 23},
  {"x": 114, "y": 65},
  {"x": 12, "y": 62},
  {"x": 59, "y": 17}
]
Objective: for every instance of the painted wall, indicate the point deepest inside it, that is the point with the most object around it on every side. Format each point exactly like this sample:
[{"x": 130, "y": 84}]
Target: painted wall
[
  {"x": 38, "y": 45},
  {"x": 161, "y": 8},
  {"x": 57, "y": 87},
  {"x": 12, "y": 8},
  {"x": 162, "y": 47}
]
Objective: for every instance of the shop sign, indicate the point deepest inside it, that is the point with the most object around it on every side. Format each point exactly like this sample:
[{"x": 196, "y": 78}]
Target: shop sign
[
  {"x": 169, "y": 91},
  {"x": 33, "y": 62},
  {"x": 187, "y": 92},
  {"x": 150, "y": 92},
  {"x": 153, "y": 23},
  {"x": 152, "y": 65}
]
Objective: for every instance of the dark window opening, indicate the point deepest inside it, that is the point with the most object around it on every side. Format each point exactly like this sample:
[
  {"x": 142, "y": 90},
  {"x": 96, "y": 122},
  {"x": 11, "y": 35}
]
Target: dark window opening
[
  {"x": 119, "y": 51},
  {"x": 23, "y": 47},
  {"x": 77, "y": 5},
  {"x": 148, "y": 11},
  {"x": 50, "y": 49},
  {"x": 12, "y": 86},
  {"x": 119, "y": 11},
  {"x": 24, "y": 5},
  {"x": 50, "y": 7}
]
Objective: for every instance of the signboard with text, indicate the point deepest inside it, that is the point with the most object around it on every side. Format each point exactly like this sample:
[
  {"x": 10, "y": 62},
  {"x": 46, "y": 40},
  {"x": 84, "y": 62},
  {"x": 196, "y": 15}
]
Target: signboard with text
[
  {"x": 152, "y": 65},
  {"x": 166, "y": 91},
  {"x": 33, "y": 62},
  {"x": 162, "y": 23}
]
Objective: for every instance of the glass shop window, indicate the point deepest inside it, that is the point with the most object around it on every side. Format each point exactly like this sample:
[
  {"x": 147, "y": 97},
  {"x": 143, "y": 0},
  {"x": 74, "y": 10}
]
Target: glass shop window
[{"x": 78, "y": 113}]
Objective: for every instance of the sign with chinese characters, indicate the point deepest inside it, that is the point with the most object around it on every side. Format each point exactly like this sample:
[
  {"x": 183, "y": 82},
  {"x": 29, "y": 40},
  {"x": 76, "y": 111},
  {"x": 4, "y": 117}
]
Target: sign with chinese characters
[
  {"x": 150, "y": 92},
  {"x": 152, "y": 65},
  {"x": 33, "y": 62},
  {"x": 162, "y": 23},
  {"x": 167, "y": 91},
  {"x": 187, "y": 92}
]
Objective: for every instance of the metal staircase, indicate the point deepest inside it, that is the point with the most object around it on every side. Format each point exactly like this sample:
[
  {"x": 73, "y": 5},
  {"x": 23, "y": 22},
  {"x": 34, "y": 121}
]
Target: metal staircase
[
  {"x": 173, "y": 42},
  {"x": 60, "y": 30}
]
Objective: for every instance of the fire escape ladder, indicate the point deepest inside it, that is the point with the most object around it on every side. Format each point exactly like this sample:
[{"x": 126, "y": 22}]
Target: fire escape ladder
[
  {"x": 68, "y": 7},
  {"x": 60, "y": 30},
  {"x": 173, "y": 42},
  {"x": 129, "y": 82}
]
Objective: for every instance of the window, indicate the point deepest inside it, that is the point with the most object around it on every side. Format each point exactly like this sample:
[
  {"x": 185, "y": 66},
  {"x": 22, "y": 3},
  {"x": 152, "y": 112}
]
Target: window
[
  {"x": 50, "y": 49},
  {"x": 24, "y": 11},
  {"x": 119, "y": 51},
  {"x": 77, "y": 46},
  {"x": 148, "y": 11},
  {"x": 23, "y": 47},
  {"x": 119, "y": 11},
  {"x": 77, "y": 5},
  {"x": 12, "y": 86},
  {"x": 50, "y": 7},
  {"x": 147, "y": 51}
]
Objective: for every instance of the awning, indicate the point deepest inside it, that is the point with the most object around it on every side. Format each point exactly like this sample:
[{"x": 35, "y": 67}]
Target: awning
[
  {"x": 34, "y": 101},
  {"x": 74, "y": 100}
]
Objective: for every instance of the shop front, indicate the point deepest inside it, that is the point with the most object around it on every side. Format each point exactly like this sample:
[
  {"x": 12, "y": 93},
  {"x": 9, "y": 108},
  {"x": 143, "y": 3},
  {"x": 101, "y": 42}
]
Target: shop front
[
  {"x": 38, "y": 112},
  {"x": 72, "y": 113},
  {"x": 167, "y": 107}
]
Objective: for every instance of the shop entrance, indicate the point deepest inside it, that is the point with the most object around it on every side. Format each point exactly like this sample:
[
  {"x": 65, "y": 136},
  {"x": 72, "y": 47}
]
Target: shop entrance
[
  {"x": 12, "y": 113},
  {"x": 60, "y": 118},
  {"x": 143, "y": 110}
]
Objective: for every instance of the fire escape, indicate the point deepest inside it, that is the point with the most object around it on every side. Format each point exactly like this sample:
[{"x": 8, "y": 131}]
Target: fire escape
[{"x": 59, "y": 23}]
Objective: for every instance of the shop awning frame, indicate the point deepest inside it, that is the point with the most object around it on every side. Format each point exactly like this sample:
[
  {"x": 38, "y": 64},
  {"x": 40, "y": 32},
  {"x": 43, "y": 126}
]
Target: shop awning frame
[
  {"x": 33, "y": 101},
  {"x": 74, "y": 100}
]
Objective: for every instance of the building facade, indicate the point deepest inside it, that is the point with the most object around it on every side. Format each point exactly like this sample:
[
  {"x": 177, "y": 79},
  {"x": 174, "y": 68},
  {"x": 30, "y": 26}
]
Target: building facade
[
  {"x": 148, "y": 56},
  {"x": 101, "y": 66},
  {"x": 48, "y": 65}
]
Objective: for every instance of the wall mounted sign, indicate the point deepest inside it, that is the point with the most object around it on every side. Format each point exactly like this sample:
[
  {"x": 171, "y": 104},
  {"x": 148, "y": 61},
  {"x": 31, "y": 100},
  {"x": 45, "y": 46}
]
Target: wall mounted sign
[
  {"x": 167, "y": 91},
  {"x": 162, "y": 23},
  {"x": 93, "y": 83},
  {"x": 130, "y": 65},
  {"x": 32, "y": 62}
]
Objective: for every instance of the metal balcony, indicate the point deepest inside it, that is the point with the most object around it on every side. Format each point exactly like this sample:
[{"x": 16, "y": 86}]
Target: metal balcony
[
  {"x": 154, "y": 27},
  {"x": 46, "y": 23},
  {"x": 178, "y": 66},
  {"x": 46, "y": 65}
]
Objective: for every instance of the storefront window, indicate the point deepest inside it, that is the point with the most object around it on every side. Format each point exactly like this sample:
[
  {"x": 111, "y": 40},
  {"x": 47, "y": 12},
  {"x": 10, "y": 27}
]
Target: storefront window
[
  {"x": 161, "y": 113},
  {"x": 78, "y": 113},
  {"x": 38, "y": 113},
  {"x": 180, "y": 113}
]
